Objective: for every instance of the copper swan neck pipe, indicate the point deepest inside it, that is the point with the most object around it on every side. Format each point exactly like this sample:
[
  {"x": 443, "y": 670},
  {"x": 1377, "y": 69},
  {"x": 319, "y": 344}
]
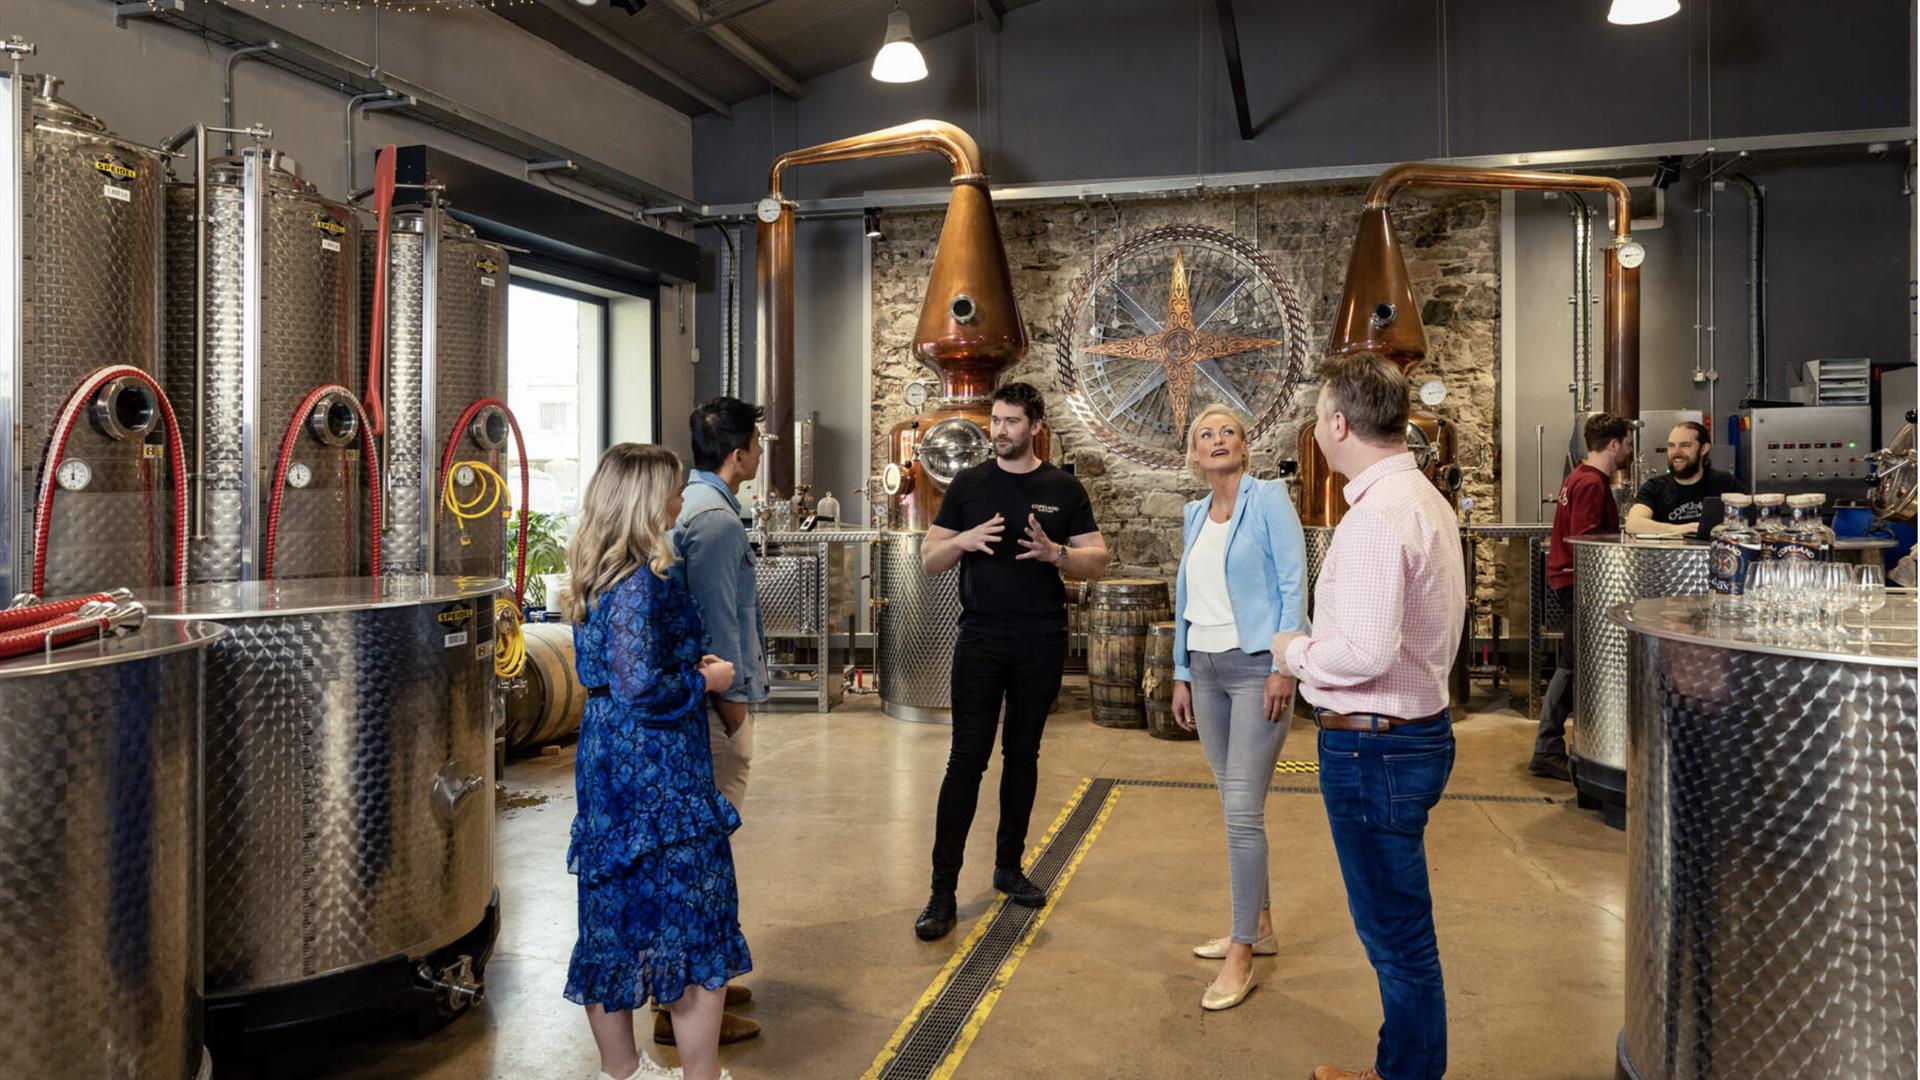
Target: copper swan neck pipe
[
  {"x": 918, "y": 137},
  {"x": 1426, "y": 174}
]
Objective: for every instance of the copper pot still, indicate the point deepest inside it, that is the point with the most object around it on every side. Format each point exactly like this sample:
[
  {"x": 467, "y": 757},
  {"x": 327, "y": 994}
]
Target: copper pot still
[
  {"x": 1378, "y": 314},
  {"x": 970, "y": 329}
]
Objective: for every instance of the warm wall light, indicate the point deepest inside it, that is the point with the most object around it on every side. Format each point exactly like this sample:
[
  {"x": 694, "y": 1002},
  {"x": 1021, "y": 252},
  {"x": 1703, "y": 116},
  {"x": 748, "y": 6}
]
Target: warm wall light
[
  {"x": 899, "y": 59},
  {"x": 1635, "y": 12},
  {"x": 873, "y": 224}
]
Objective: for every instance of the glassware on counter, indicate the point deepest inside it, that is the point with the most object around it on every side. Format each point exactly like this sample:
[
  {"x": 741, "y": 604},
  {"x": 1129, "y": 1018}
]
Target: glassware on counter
[{"x": 1869, "y": 595}]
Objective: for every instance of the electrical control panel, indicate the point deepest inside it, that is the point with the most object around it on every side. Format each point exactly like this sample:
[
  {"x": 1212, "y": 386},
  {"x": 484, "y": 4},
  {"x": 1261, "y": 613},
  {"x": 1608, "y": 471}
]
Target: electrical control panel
[{"x": 1819, "y": 448}]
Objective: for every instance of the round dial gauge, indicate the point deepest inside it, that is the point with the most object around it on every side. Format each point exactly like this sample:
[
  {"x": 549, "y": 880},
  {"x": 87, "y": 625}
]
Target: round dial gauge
[
  {"x": 893, "y": 479},
  {"x": 916, "y": 395},
  {"x": 74, "y": 475},
  {"x": 299, "y": 475},
  {"x": 463, "y": 475},
  {"x": 951, "y": 446},
  {"x": 768, "y": 210},
  {"x": 1631, "y": 254},
  {"x": 1433, "y": 392}
]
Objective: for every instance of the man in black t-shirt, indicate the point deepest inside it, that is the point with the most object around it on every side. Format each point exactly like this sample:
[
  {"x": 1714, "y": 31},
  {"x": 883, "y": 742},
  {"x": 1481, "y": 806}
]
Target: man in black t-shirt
[
  {"x": 1013, "y": 636},
  {"x": 1672, "y": 505}
]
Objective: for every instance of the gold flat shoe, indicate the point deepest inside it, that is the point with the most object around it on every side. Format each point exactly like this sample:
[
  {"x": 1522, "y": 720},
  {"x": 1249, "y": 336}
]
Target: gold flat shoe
[
  {"x": 1215, "y": 1000},
  {"x": 1217, "y": 948}
]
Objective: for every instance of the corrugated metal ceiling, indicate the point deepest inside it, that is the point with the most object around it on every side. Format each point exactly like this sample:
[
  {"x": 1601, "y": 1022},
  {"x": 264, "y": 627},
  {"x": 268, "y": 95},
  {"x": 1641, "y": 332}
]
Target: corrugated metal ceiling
[{"x": 803, "y": 37}]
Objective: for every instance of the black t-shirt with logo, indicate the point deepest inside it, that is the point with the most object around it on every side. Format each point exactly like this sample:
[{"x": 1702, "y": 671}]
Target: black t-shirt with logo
[
  {"x": 999, "y": 593},
  {"x": 1675, "y": 503}
]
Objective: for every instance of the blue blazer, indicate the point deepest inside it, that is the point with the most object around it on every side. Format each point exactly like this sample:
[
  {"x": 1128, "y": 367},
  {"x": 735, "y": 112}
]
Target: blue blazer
[{"x": 1266, "y": 568}]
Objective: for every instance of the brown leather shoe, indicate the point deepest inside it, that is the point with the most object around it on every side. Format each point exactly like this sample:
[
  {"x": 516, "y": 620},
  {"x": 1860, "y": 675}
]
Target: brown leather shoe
[
  {"x": 738, "y": 995},
  {"x": 733, "y": 1029},
  {"x": 1335, "y": 1072}
]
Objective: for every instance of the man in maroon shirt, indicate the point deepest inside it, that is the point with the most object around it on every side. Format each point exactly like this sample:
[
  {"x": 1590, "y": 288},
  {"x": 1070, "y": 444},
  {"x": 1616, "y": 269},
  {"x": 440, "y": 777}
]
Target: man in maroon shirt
[{"x": 1586, "y": 507}]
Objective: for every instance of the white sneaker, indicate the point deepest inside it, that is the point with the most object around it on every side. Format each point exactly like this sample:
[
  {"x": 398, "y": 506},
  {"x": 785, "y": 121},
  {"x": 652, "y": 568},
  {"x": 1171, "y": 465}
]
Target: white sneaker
[
  {"x": 678, "y": 1074},
  {"x": 648, "y": 1069}
]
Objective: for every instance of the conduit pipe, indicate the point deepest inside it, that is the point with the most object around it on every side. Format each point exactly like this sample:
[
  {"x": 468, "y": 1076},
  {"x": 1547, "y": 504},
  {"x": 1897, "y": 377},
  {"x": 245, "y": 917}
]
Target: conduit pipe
[
  {"x": 226, "y": 86},
  {"x": 1756, "y": 284},
  {"x": 1582, "y": 301}
]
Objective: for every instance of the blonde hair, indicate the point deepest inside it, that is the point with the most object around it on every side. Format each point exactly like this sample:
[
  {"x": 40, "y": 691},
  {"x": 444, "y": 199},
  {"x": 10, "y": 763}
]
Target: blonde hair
[
  {"x": 1193, "y": 435},
  {"x": 623, "y": 524}
]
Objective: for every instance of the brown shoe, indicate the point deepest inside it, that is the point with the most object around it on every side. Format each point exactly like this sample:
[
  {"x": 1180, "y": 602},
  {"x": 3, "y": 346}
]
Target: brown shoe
[
  {"x": 1335, "y": 1072},
  {"x": 733, "y": 1029},
  {"x": 738, "y": 995}
]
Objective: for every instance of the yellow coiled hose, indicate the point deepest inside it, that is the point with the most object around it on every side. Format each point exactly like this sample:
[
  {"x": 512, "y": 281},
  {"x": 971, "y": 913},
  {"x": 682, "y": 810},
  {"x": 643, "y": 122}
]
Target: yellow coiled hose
[{"x": 510, "y": 644}]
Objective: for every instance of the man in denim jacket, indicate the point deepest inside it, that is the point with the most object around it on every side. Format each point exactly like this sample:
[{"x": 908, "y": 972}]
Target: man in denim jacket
[{"x": 720, "y": 572}]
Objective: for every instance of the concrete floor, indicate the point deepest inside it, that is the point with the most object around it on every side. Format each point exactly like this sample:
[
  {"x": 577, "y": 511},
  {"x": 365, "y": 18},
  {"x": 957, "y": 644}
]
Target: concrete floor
[{"x": 832, "y": 860}]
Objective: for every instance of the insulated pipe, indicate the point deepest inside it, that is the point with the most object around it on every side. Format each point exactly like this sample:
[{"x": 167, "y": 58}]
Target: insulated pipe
[
  {"x": 226, "y": 86},
  {"x": 774, "y": 265},
  {"x": 1756, "y": 284},
  {"x": 1582, "y": 299}
]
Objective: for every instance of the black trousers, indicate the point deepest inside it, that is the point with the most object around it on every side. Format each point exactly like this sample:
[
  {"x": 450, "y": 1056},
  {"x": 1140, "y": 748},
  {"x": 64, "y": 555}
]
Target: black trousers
[{"x": 1020, "y": 673}]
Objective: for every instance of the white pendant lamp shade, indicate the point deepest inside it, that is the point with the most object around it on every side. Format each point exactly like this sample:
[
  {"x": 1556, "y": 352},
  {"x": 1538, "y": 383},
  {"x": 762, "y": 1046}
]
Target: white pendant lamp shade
[
  {"x": 899, "y": 60},
  {"x": 1635, "y": 12}
]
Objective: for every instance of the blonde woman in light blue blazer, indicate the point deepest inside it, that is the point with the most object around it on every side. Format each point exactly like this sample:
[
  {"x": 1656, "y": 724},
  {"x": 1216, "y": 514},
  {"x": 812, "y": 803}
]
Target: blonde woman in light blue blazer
[{"x": 1242, "y": 579}]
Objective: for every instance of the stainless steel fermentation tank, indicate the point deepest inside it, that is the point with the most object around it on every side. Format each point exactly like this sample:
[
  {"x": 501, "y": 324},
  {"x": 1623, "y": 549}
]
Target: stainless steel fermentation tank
[
  {"x": 445, "y": 360},
  {"x": 1770, "y": 921},
  {"x": 349, "y": 802},
  {"x": 100, "y": 900},
  {"x": 262, "y": 293},
  {"x": 80, "y": 283}
]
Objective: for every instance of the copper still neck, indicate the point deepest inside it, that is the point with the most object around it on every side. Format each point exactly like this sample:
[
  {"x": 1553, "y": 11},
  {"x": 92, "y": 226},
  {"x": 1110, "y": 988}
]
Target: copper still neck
[{"x": 970, "y": 327}]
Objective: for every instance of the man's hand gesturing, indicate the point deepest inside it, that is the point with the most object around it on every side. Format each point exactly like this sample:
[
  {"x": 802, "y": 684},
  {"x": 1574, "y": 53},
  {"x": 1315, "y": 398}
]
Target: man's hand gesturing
[{"x": 983, "y": 536}]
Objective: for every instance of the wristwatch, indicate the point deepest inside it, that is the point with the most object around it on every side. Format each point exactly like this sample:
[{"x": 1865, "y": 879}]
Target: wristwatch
[{"x": 1060, "y": 555}]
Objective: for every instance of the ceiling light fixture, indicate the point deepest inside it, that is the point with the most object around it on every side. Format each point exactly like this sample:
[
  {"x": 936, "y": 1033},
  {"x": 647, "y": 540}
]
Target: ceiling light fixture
[
  {"x": 899, "y": 59},
  {"x": 1635, "y": 12},
  {"x": 873, "y": 224}
]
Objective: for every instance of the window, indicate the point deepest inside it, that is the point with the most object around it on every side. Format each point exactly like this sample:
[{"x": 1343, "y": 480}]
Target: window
[{"x": 556, "y": 362}]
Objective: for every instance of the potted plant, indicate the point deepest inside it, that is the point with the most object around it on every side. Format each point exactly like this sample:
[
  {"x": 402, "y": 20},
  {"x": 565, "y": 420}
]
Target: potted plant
[{"x": 546, "y": 556}]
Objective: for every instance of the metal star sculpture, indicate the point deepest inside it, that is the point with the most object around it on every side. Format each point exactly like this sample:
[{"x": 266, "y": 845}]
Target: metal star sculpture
[{"x": 1179, "y": 346}]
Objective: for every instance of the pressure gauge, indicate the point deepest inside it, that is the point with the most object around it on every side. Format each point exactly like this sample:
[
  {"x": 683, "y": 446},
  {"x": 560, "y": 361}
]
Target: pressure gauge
[
  {"x": 299, "y": 475},
  {"x": 916, "y": 395},
  {"x": 463, "y": 475},
  {"x": 1433, "y": 392},
  {"x": 74, "y": 475},
  {"x": 768, "y": 210},
  {"x": 1630, "y": 254}
]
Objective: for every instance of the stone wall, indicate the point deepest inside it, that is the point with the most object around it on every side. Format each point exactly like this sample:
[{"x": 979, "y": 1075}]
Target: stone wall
[{"x": 1452, "y": 246}]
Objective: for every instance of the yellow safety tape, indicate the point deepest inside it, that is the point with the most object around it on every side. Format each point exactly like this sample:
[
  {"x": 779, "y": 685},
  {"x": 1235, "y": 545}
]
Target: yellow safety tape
[
  {"x": 1001, "y": 977},
  {"x": 1297, "y": 766},
  {"x": 967, "y": 945}
]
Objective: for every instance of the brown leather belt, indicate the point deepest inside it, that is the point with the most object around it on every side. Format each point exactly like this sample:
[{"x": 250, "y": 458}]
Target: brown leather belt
[{"x": 1333, "y": 721}]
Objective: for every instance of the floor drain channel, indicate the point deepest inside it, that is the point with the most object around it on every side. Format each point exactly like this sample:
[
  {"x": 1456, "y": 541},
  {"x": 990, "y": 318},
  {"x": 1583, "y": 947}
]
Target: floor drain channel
[
  {"x": 927, "y": 1044},
  {"x": 1312, "y": 789}
]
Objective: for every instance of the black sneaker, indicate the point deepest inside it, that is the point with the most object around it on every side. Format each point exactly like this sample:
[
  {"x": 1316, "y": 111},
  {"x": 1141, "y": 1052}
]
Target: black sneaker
[
  {"x": 1018, "y": 889},
  {"x": 1551, "y": 766},
  {"x": 937, "y": 918}
]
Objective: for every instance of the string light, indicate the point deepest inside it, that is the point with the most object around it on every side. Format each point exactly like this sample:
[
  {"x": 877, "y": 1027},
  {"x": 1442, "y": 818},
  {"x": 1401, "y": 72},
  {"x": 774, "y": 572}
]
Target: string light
[{"x": 397, "y": 6}]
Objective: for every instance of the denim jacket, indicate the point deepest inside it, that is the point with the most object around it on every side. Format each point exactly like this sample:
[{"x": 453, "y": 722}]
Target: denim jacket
[
  {"x": 1266, "y": 569},
  {"x": 720, "y": 572}
]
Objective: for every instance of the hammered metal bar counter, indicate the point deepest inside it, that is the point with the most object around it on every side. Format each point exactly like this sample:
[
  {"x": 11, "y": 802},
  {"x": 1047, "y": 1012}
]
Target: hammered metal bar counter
[
  {"x": 1608, "y": 572},
  {"x": 807, "y": 582},
  {"x": 1771, "y": 859},
  {"x": 99, "y": 838},
  {"x": 349, "y": 794}
]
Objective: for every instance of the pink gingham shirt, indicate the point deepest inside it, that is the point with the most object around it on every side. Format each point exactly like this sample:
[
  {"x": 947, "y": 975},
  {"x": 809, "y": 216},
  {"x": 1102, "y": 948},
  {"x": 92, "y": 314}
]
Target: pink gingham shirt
[{"x": 1390, "y": 602}]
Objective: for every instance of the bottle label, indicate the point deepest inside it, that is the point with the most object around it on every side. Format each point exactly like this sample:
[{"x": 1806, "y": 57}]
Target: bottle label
[
  {"x": 1799, "y": 549},
  {"x": 1728, "y": 563}
]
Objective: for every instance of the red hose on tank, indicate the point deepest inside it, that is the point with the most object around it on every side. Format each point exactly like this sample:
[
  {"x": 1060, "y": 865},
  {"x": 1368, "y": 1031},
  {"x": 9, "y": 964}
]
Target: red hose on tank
[
  {"x": 34, "y": 614},
  {"x": 383, "y": 184},
  {"x": 520, "y": 444},
  {"x": 65, "y": 631},
  {"x": 57, "y": 448},
  {"x": 286, "y": 458}
]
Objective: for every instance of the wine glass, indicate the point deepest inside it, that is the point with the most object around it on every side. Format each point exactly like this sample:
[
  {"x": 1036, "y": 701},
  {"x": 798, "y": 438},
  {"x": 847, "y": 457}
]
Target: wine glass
[
  {"x": 1836, "y": 595},
  {"x": 1869, "y": 596},
  {"x": 1758, "y": 592}
]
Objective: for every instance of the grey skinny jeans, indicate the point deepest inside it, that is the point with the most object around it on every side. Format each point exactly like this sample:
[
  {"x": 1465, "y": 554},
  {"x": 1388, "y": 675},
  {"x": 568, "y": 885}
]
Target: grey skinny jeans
[{"x": 1242, "y": 746}]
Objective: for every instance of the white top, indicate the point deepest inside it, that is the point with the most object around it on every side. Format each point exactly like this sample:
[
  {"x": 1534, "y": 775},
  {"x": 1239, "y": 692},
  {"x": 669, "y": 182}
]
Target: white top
[{"x": 1209, "y": 607}]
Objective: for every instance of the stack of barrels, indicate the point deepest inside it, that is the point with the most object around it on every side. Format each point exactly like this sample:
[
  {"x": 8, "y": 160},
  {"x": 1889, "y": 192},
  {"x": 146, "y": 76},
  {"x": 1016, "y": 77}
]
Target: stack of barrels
[{"x": 1130, "y": 655}]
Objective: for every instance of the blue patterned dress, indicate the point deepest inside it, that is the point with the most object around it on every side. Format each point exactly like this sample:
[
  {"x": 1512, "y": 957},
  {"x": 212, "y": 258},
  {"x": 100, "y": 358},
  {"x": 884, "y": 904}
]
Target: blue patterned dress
[{"x": 658, "y": 906}]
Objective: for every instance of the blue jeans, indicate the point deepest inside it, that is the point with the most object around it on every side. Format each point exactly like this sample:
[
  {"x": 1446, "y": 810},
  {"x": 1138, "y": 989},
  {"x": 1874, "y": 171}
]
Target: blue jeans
[{"x": 1378, "y": 788}]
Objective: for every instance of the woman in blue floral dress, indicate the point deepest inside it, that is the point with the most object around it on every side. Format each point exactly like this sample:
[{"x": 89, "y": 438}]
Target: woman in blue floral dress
[{"x": 659, "y": 910}]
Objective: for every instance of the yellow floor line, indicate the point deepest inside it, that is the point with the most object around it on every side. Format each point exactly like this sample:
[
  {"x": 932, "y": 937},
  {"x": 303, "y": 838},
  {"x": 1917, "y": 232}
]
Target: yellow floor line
[
  {"x": 1001, "y": 977},
  {"x": 972, "y": 939}
]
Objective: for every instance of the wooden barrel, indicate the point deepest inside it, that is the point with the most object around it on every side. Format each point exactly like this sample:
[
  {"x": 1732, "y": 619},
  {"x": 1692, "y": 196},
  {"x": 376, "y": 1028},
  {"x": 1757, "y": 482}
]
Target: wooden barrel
[
  {"x": 1119, "y": 611},
  {"x": 1158, "y": 686},
  {"x": 546, "y": 707}
]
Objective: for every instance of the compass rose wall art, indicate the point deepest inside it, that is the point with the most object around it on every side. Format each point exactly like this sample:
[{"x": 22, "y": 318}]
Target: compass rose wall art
[{"x": 1169, "y": 322}]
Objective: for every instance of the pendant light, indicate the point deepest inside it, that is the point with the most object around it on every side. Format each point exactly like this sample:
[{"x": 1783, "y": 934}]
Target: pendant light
[
  {"x": 1635, "y": 12},
  {"x": 899, "y": 59}
]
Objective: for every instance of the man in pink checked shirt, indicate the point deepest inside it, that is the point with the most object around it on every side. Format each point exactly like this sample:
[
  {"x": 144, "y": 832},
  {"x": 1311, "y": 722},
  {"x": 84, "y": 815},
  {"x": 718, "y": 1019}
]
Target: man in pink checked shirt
[{"x": 1387, "y": 615}]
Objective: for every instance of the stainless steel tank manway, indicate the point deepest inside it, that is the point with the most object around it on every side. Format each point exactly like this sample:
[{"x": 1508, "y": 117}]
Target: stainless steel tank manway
[
  {"x": 1771, "y": 856},
  {"x": 1608, "y": 572},
  {"x": 99, "y": 859},
  {"x": 349, "y": 750},
  {"x": 917, "y": 620}
]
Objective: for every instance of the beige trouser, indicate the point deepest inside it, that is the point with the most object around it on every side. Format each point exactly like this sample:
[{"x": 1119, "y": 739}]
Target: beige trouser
[{"x": 732, "y": 757}]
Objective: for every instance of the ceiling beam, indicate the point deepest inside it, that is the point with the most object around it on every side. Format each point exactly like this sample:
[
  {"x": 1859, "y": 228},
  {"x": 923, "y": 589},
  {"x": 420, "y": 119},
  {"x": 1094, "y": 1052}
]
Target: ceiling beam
[
  {"x": 743, "y": 50},
  {"x": 570, "y": 11},
  {"x": 1230, "y": 41},
  {"x": 991, "y": 10}
]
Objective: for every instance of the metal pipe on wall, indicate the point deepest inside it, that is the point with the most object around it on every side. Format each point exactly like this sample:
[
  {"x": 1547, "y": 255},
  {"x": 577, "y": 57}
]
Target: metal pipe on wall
[
  {"x": 226, "y": 83},
  {"x": 1756, "y": 284},
  {"x": 1582, "y": 300}
]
